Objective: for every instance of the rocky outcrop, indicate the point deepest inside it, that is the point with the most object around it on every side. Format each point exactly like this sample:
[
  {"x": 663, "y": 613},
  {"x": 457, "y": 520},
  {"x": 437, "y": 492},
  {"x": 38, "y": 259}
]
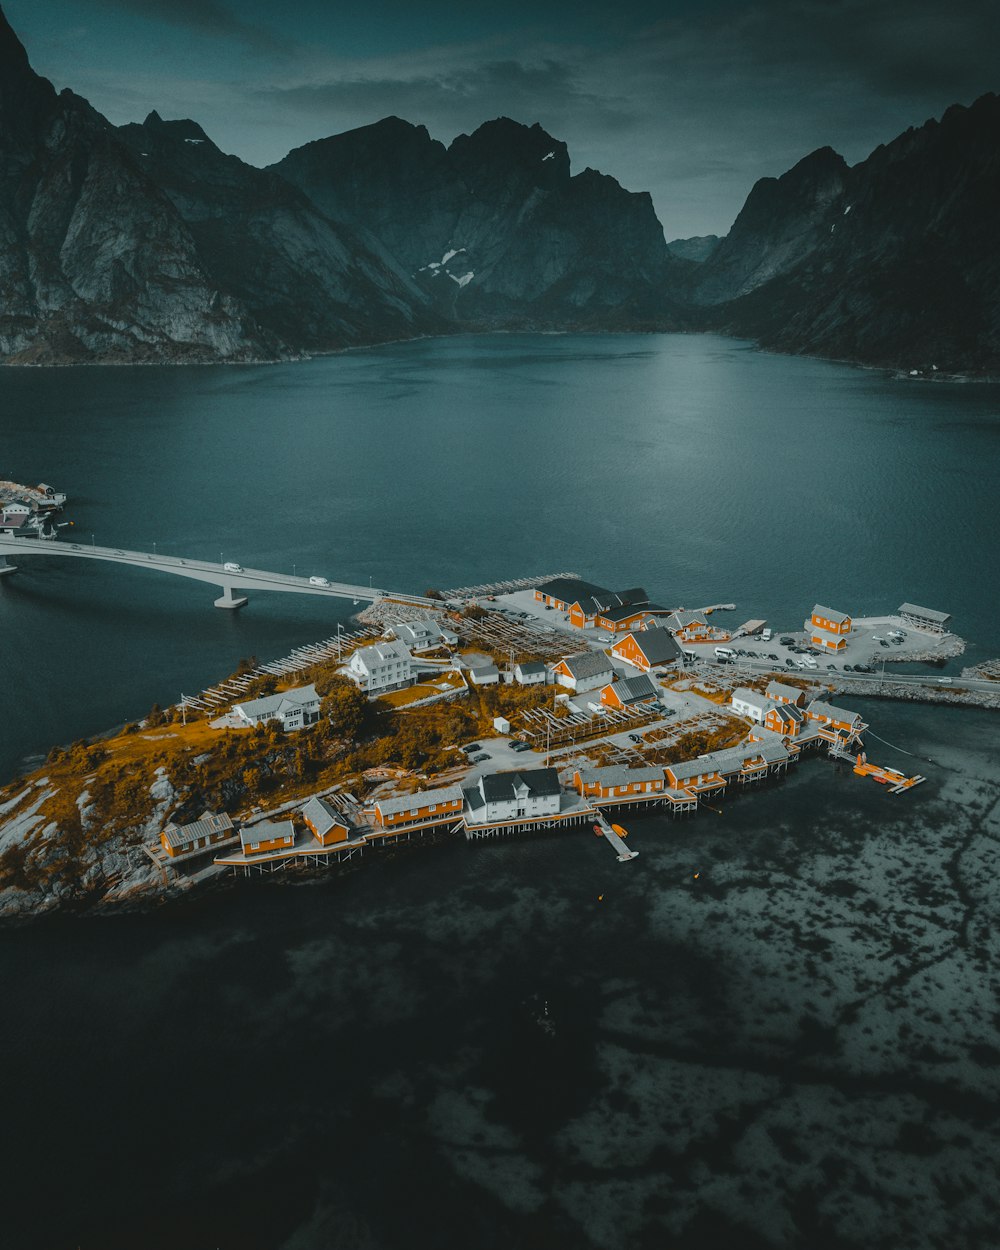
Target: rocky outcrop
[
  {"x": 894, "y": 261},
  {"x": 495, "y": 227}
]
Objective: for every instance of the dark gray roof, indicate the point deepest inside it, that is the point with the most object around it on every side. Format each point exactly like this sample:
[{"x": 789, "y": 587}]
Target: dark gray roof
[
  {"x": 658, "y": 645},
  {"x": 539, "y": 781},
  {"x": 209, "y": 823},
  {"x": 323, "y": 817},
  {"x": 588, "y": 664},
  {"x": 532, "y": 667},
  {"x": 829, "y": 614},
  {"x": 632, "y": 689},
  {"x": 569, "y": 589},
  {"x": 619, "y": 775},
  {"x": 927, "y": 614},
  {"x": 829, "y": 710}
]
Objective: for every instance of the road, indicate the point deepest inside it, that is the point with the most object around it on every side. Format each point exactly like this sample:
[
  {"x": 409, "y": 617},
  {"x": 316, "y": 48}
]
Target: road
[{"x": 227, "y": 579}]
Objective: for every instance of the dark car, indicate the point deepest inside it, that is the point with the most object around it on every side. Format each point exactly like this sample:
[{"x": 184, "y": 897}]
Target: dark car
[
  {"x": 883, "y": 643},
  {"x": 480, "y": 758},
  {"x": 790, "y": 663},
  {"x": 787, "y": 642},
  {"x": 772, "y": 657},
  {"x": 473, "y": 746},
  {"x": 634, "y": 738}
]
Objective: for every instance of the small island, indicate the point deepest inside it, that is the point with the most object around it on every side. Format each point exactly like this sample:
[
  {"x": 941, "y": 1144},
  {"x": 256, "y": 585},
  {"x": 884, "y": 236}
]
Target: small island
[{"x": 512, "y": 708}]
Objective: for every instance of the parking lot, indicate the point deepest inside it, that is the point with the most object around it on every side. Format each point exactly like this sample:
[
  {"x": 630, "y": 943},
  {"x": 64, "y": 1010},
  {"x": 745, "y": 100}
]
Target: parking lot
[{"x": 872, "y": 641}]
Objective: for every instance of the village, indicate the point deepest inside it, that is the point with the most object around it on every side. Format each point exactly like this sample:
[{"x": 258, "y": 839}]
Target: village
[{"x": 625, "y": 706}]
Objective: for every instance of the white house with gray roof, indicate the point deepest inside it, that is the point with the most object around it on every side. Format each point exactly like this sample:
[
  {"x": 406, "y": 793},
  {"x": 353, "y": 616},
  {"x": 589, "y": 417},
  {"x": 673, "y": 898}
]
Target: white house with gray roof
[
  {"x": 752, "y": 703},
  {"x": 293, "y": 709},
  {"x": 585, "y": 671},
  {"x": 424, "y": 634},
  {"x": 382, "y": 666}
]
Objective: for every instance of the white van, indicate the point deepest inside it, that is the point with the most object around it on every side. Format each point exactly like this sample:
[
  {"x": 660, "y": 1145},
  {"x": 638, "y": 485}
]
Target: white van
[
  {"x": 765, "y": 635},
  {"x": 230, "y": 567},
  {"x": 318, "y": 581},
  {"x": 724, "y": 653},
  {"x": 809, "y": 662}
]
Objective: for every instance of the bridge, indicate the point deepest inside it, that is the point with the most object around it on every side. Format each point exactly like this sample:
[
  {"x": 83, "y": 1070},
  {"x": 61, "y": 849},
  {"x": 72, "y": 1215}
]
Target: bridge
[{"x": 229, "y": 580}]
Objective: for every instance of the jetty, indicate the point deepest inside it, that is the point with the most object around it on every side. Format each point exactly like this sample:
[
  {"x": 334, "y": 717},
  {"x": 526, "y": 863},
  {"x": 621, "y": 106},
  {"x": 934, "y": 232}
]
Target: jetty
[{"x": 613, "y": 834}]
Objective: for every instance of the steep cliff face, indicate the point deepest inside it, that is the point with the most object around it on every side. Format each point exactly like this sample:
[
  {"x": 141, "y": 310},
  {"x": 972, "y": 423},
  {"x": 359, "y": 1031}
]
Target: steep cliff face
[
  {"x": 494, "y": 227},
  {"x": 94, "y": 261},
  {"x": 894, "y": 262},
  {"x": 306, "y": 281},
  {"x": 783, "y": 221}
]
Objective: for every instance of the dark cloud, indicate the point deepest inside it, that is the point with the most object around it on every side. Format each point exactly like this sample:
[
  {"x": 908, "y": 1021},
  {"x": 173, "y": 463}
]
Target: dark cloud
[{"x": 207, "y": 17}]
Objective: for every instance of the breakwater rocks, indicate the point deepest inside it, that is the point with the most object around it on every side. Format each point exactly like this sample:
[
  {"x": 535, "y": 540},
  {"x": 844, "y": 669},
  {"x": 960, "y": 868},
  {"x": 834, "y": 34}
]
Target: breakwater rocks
[{"x": 954, "y": 696}]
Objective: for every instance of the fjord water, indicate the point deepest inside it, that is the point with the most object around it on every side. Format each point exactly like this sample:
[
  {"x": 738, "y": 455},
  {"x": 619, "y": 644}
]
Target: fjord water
[
  {"x": 528, "y": 1043},
  {"x": 695, "y": 466}
]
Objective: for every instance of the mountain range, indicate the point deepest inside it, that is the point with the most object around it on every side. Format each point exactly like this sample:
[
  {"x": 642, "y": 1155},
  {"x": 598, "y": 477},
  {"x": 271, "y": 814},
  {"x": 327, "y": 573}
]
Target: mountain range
[{"x": 146, "y": 242}]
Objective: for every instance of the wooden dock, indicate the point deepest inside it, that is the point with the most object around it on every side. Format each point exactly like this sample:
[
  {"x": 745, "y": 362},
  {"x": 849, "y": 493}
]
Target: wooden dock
[{"x": 617, "y": 842}]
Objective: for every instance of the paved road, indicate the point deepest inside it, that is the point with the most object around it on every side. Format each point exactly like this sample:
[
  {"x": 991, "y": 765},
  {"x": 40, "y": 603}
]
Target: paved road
[
  {"x": 822, "y": 674},
  {"x": 198, "y": 570}
]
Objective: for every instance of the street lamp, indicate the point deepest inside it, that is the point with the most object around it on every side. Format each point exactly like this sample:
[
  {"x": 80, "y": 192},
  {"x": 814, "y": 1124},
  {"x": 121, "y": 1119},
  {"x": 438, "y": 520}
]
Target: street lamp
[{"x": 154, "y": 549}]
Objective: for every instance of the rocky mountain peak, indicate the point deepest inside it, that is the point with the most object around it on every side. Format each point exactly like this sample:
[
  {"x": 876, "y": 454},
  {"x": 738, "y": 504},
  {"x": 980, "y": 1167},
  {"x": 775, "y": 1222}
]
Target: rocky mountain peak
[{"x": 503, "y": 147}]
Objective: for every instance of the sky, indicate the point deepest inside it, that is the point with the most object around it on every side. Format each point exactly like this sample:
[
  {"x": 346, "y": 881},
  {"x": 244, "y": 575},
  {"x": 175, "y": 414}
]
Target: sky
[{"x": 691, "y": 100}]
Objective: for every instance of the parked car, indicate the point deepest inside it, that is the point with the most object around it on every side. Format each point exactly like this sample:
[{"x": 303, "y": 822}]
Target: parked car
[
  {"x": 790, "y": 663},
  {"x": 787, "y": 642},
  {"x": 634, "y": 738},
  {"x": 772, "y": 657},
  {"x": 480, "y": 758},
  {"x": 883, "y": 643},
  {"x": 473, "y": 746}
]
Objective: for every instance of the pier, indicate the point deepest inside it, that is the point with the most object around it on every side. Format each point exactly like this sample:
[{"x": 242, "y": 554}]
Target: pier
[
  {"x": 228, "y": 577},
  {"x": 615, "y": 839}
]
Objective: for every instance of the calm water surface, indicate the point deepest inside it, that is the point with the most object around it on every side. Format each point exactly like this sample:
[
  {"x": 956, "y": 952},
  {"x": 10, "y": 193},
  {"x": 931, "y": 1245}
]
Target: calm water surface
[
  {"x": 695, "y": 466},
  {"x": 462, "y": 1046}
]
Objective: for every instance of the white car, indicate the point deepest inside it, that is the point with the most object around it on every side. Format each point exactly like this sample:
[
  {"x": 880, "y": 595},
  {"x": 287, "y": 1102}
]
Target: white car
[
  {"x": 231, "y": 567},
  {"x": 318, "y": 581}
]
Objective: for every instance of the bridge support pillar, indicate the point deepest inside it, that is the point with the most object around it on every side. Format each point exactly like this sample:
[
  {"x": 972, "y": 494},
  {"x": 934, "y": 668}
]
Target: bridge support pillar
[
  {"x": 6, "y": 567},
  {"x": 228, "y": 600}
]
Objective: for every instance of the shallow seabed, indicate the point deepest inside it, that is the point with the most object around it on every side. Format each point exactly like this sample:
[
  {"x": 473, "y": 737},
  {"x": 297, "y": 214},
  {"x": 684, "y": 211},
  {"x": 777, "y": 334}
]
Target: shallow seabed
[{"x": 464, "y": 1047}]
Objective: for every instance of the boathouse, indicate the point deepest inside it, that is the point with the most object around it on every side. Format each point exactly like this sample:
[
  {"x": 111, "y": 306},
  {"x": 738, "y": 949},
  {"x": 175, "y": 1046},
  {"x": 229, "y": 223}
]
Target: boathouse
[
  {"x": 209, "y": 830},
  {"x": 697, "y": 775},
  {"x": 834, "y": 717},
  {"x": 782, "y": 693},
  {"x": 422, "y": 806},
  {"x": 326, "y": 823},
  {"x": 267, "y": 835},
  {"x": 617, "y": 782}
]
